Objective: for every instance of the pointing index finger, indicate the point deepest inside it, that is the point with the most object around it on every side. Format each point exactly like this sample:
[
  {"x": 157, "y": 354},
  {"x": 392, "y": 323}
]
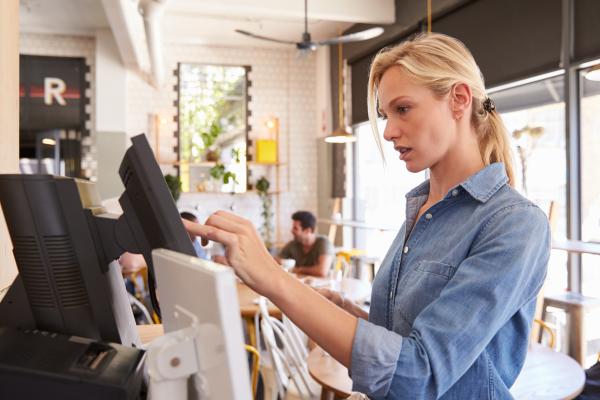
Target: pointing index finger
[{"x": 209, "y": 233}]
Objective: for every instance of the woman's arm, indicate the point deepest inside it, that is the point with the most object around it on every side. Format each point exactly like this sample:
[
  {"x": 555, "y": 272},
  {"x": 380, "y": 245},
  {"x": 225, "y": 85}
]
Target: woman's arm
[
  {"x": 341, "y": 301},
  {"x": 328, "y": 325}
]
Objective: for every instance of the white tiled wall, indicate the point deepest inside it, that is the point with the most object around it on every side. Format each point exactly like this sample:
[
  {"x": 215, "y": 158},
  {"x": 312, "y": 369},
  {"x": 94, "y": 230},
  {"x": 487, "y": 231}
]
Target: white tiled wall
[
  {"x": 70, "y": 46},
  {"x": 283, "y": 85}
]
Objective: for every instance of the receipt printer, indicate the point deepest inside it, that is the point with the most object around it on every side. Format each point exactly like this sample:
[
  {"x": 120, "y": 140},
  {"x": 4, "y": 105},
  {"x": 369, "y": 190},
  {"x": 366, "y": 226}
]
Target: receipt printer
[{"x": 43, "y": 365}]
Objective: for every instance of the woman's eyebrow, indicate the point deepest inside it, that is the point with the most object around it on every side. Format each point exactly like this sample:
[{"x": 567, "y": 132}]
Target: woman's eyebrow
[{"x": 391, "y": 102}]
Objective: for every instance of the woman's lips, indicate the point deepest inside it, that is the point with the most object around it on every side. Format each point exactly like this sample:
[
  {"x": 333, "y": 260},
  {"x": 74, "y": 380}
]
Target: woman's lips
[{"x": 404, "y": 151}]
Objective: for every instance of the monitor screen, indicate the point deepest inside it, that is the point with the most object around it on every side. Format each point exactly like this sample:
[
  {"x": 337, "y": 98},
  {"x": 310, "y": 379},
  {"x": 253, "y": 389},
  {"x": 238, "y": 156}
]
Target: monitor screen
[
  {"x": 149, "y": 211},
  {"x": 65, "y": 247}
]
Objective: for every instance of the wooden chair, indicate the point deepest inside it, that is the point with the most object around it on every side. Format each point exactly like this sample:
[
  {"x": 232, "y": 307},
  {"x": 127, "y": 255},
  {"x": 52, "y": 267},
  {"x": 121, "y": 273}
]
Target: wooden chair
[
  {"x": 539, "y": 325},
  {"x": 142, "y": 289},
  {"x": 343, "y": 257},
  {"x": 255, "y": 367},
  {"x": 288, "y": 359},
  {"x": 547, "y": 328},
  {"x": 135, "y": 277}
]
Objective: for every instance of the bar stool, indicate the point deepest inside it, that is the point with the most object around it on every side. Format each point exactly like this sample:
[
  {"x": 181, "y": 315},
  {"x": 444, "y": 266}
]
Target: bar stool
[{"x": 575, "y": 306}]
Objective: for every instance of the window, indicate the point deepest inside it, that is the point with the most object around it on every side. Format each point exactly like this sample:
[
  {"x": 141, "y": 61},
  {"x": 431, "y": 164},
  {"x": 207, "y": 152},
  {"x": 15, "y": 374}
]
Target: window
[
  {"x": 379, "y": 192},
  {"x": 590, "y": 179},
  {"x": 534, "y": 115},
  {"x": 212, "y": 127}
]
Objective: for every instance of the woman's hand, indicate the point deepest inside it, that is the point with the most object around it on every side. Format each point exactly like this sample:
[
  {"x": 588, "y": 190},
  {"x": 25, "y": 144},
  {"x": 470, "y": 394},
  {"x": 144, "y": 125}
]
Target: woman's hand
[{"x": 244, "y": 249}]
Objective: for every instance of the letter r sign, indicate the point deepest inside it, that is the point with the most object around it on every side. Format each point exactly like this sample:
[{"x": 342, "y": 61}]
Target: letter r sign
[{"x": 54, "y": 88}]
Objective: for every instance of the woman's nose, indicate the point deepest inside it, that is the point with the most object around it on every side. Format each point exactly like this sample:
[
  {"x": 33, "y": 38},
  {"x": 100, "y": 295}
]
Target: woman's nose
[{"x": 390, "y": 131}]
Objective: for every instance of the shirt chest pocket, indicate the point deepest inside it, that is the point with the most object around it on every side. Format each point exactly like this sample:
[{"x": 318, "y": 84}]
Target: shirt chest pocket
[{"x": 420, "y": 287}]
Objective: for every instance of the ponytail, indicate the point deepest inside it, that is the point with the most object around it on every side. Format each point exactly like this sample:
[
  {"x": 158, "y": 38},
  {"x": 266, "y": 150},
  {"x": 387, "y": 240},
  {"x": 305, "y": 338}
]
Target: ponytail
[{"x": 494, "y": 145}]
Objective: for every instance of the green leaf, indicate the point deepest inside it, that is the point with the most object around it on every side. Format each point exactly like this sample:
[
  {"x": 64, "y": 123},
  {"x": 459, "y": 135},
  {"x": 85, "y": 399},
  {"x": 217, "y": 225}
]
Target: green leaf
[
  {"x": 174, "y": 185},
  {"x": 262, "y": 185}
]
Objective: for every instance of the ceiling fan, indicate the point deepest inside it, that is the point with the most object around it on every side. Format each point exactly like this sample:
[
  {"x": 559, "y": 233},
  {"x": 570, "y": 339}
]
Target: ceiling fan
[{"x": 307, "y": 44}]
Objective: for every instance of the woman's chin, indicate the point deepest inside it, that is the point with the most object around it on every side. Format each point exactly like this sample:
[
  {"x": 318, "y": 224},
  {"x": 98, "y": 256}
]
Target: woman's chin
[{"x": 413, "y": 167}]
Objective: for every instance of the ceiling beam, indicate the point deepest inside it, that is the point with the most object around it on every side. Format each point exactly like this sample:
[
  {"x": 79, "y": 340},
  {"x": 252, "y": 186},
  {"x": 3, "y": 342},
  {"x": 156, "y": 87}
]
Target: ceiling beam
[
  {"x": 128, "y": 30},
  {"x": 356, "y": 11}
]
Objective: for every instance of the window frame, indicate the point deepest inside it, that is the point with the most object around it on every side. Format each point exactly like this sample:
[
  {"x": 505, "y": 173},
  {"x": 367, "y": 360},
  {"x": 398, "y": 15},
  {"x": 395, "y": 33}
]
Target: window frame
[{"x": 247, "y": 112}]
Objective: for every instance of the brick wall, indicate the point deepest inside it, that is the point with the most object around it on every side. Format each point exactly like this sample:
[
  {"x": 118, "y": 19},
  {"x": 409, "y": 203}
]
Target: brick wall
[{"x": 283, "y": 85}]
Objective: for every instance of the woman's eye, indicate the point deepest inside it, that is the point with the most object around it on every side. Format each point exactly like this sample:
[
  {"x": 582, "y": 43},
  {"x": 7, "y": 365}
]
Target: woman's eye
[{"x": 402, "y": 109}]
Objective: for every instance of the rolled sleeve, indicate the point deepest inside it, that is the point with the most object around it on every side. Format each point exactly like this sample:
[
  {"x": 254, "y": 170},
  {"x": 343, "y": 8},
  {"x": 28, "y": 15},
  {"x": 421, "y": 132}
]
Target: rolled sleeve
[{"x": 375, "y": 354}]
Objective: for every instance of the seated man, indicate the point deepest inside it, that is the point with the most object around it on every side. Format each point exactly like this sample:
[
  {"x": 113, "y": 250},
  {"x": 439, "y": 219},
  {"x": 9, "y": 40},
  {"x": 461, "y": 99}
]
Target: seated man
[{"x": 313, "y": 253}]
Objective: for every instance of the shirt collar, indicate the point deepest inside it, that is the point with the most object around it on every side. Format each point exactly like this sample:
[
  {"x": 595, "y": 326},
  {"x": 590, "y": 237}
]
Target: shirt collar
[{"x": 482, "y": 185}]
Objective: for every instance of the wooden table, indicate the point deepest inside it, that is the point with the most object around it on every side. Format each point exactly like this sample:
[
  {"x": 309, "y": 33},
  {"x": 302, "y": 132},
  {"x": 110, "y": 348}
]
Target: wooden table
[
  {"x": 546, "y": 375},
  {"x": 549, "y": 375},
  {"x": 354, "y": 289},
  {"x": 576, "y": 246},
  {"x": 150, "y": 332},
  {"x": 249, "y": 308},
  {"x": 249, "y": 305},
  {"x": 329, "y": 373}
]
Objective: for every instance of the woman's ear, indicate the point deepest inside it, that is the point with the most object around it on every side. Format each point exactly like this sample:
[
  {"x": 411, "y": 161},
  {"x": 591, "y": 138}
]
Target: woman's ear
[{"x": 460, "y": 99}]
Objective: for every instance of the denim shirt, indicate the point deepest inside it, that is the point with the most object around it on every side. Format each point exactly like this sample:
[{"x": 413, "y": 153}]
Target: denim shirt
[{"x": 453, "y": 302}]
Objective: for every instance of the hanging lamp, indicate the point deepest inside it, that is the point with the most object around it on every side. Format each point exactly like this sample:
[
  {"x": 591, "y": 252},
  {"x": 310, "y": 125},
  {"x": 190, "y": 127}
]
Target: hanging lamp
[
  {"x": 593, "y": 74},
  {"x": 342, "y": 134}
]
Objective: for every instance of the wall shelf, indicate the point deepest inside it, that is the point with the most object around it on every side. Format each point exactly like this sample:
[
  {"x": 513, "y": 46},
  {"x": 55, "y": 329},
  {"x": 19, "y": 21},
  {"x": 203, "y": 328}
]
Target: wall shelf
[
  {"x": 253, "y": 191},
  {"x": 261, "y": 164},
  {"x": 272, "y": 170},
  {"x": 213, "y": 163},
  {"x": 191, "y": 164}
]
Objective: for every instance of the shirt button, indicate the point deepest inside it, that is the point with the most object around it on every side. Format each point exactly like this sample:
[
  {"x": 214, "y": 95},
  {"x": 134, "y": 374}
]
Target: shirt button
[
  {"x": 391, "y": 295},
  {"x": 428, "y": 216},
  {"x": 455, "y": 192},
  {"x": 405, "y": 249}
]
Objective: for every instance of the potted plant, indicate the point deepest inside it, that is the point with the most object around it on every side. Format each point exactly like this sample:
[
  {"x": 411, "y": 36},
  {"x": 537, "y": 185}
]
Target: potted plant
[
  {"x": 174, "y": 185},
  {"x": 209, "y": 138},
  {"x": 266, "y": 230},
  {"x": 219, "y": 173}
]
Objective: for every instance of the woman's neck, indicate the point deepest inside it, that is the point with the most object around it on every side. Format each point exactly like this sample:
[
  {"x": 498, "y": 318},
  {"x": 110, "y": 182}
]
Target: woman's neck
[{"x": 462, "y": 161}]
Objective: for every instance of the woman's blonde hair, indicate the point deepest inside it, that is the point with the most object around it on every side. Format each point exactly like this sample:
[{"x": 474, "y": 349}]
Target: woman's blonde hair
[{"x": 438, "y": 62}]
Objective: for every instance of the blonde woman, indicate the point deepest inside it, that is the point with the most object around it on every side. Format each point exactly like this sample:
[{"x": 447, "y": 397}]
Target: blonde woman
[{"x": 453, "y": 301}]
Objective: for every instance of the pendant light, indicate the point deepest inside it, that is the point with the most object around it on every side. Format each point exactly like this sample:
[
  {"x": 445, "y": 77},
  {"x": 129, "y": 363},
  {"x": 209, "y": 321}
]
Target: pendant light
[
  {"x": 593, "y": 74},
  {"x": 428, "y": 16},
  {"x": 342, "y": 134}
]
